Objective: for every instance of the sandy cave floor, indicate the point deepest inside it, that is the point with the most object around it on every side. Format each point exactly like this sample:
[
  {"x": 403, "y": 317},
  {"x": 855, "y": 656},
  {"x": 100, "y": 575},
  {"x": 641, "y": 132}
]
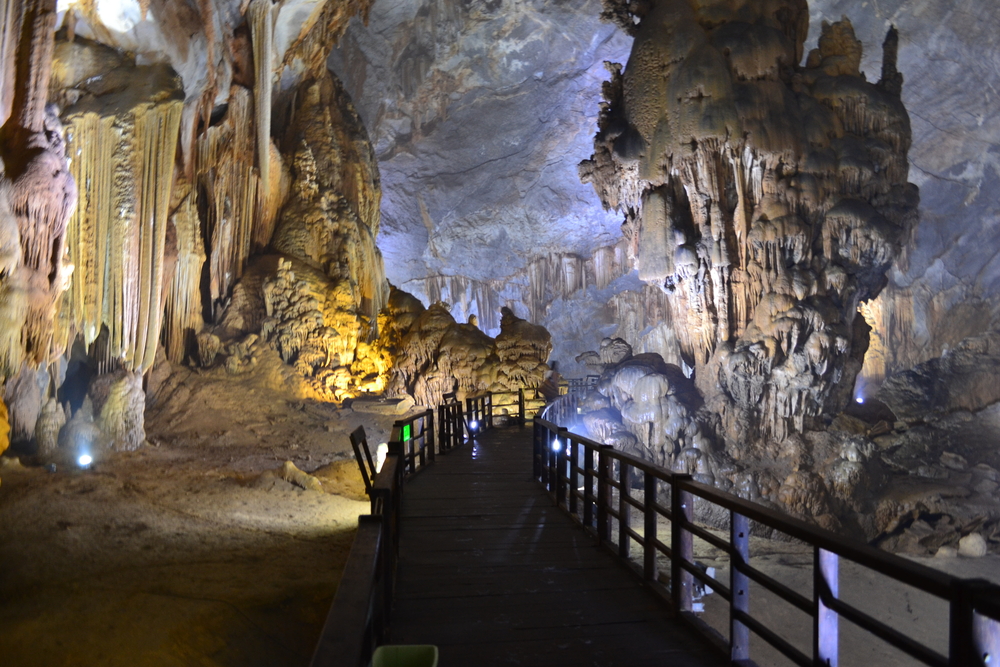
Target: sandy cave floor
[{"x": 188, "y": 551}]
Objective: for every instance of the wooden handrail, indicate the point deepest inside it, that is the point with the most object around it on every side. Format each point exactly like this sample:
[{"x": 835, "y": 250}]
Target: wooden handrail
[
  {"x": 359, "y": 617},
  {"x": 561, "y": 458}
]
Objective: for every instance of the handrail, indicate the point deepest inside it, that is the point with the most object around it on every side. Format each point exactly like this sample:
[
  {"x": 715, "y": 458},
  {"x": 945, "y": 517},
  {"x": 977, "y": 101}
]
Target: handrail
[
  {"x": 479, "y": 411},
  {"x": 562, "y": 458},
  {"x": 416, "y": 434},
  {"x": 358, "y": 619}
]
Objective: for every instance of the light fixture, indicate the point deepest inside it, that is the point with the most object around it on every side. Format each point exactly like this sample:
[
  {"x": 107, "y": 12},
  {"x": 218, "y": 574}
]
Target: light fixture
[
  {"x": 860, "y": 399},
  {"x": 85, "y": 460},
  {"x": 556, "y": 445},
  {"x": 473, "y": 425}
]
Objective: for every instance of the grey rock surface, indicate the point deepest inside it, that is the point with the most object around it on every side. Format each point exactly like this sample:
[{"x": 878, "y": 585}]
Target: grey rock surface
[
  {"x": 480, "y": 111},
  {"x": 949, "y": 274}
]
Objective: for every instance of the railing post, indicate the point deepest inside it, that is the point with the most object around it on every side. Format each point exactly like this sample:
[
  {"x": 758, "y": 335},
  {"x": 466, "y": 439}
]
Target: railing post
[
  {"x": 423, "y": 441},
  {"x": 430, "y": 433},
  {"x": 682, "y": 544},
  {"x": 489, "y": 409},
  {"x": 624, "y": 510},
  {"x": 603, "y": 497},
  {"x": 411, "y": 452},
  {"x": 573, "y": 448},
  {"x": 825, "y": 620},
  {"x": 536, "y": 456},
  {"x": 560, "y": 468},
  {"x": 520, "y": 407},
  {"x": 588, "y": 487},
  {"x": 649, "y": 527},
  {"x": 551, "y": 463},
  {"x": 961, "y": 635},
  {"x": 739, "y": 585}
]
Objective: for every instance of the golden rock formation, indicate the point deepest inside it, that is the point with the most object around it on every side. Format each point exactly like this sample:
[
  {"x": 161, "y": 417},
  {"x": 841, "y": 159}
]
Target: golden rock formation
[
  {"x": 122, "y": 142},
  {"x": 765, "y": 200},
  {"x": 438, "y": 355}
]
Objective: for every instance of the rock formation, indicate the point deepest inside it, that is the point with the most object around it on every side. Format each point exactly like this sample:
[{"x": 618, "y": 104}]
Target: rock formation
[
  {"x": 766, "y": 200},
  {"x": 164, "y": 112},
  {"x": 437, "y": 355}
]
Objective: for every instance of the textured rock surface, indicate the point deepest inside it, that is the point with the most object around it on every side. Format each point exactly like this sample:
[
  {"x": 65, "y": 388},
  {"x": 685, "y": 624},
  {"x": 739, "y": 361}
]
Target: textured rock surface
[
  {"x": 766, "y": 200},
  {"x": 945, "y": 287},
  {"x": 434, "y": 355},
  {"x": 478, "y": 113},
  {"x": 407, "y": 66}
]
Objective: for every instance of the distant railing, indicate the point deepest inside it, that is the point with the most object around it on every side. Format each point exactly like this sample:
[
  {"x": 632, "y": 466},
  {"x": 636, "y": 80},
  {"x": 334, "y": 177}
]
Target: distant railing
[
  {"x": 594, "y": 483},
  {"x": 451, "y": 432},
  {"x": 416, "y": 435},
  {"x": 479, "y": 413}
]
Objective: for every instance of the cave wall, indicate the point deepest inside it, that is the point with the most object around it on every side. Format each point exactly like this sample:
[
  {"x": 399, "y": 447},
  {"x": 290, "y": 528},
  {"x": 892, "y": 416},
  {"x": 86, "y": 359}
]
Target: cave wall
[
  {"x": 421, "y": 68},
  {"x": 478, "y": 113},
  {"x": 149, "y": 149}
]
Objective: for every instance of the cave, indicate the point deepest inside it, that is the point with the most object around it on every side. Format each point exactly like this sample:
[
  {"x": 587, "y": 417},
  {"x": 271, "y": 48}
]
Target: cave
[{"x": 762, "y": 237}]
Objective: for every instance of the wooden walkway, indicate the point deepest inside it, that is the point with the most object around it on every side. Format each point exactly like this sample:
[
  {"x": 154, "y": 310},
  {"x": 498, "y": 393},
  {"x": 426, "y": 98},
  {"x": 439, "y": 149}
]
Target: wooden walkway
[{"x": 493, "y": 574}]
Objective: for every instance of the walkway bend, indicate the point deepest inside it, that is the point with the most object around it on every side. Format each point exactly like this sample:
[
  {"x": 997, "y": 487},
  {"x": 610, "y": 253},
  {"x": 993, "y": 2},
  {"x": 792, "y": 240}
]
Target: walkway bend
[{"x": 493, "y": 574}]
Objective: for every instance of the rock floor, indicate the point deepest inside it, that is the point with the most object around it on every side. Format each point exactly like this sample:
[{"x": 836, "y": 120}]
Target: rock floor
[{"x": 192, "y": 550}]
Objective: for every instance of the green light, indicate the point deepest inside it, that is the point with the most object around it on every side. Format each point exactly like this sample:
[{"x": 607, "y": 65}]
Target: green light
[{"x": 404, "y": 432}]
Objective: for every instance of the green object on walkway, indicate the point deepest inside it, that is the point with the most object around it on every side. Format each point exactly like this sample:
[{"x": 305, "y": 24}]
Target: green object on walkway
[{"x": 415, "y": 655}]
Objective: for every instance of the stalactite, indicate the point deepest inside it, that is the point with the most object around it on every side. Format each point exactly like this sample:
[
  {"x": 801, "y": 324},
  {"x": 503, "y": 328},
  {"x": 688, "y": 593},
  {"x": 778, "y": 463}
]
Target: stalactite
[
  {"x": 545, "y": 279},
  {"x": 262, "y": 32},
  {"x": 123, "y": 149},
  {"x": 231, "y": 186},
  {"x": 42, "y": 192},
  {"x": 183, "y": 308},
  {"x": 10, "y": 28}
]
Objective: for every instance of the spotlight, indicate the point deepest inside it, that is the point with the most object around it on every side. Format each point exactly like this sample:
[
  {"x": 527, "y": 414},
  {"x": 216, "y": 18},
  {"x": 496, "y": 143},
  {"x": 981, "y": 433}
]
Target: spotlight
[
  {"x": 860, "y": 399},
  {"x": 473, "y": 425},
  {"x": 85, "y": 460},
  {"x": 556, "y": 445}
]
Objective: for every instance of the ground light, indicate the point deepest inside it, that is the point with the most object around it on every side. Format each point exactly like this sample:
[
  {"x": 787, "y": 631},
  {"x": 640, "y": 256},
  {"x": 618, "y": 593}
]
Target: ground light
[
  {"x": 860, "y": 399},
  {"x": 85, "y": 460},
  {"x": 556, "y": 445}
]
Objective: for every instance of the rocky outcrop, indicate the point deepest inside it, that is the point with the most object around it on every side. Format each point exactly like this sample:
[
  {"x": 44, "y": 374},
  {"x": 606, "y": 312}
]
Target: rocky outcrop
[
  {"x": 437, "y": 355},
  {"x": 766, "y": 199}
]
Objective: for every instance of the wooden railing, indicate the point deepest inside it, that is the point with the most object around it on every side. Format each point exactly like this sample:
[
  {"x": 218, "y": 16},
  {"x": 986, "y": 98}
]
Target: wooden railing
[
  {"x": 479, "y": 413},
  {"x": 358, "y": 620},
  {"x": 359, "y": 617},
  {"x": 416, "y": 435},
  {"x": 595, "y": 484}
]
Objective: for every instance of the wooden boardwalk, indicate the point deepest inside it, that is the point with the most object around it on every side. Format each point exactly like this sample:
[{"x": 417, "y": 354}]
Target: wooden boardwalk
[{"x": 493, "y": 574}]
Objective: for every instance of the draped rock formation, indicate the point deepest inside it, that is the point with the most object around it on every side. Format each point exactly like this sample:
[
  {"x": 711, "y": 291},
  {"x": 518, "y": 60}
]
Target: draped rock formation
[{"x": 765, "y": 199}]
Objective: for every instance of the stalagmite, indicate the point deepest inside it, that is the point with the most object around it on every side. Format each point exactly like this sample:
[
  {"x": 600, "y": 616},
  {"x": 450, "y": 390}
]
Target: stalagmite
[{"x": 765, "y": 199}]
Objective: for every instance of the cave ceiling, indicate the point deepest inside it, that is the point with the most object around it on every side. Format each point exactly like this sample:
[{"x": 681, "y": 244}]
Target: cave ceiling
[{"x": 479, "y": 113}]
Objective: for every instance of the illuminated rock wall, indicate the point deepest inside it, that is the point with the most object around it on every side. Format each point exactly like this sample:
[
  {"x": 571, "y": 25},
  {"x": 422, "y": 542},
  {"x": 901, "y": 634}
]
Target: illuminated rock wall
[
  {"x": 172, "y": 119},
  {"x": 765, "y": 199},
  {"x": 436, "y": 355}
]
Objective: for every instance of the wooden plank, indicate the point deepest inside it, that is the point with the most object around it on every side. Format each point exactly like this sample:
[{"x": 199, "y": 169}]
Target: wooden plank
[{"x": 493, "y": 573}]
